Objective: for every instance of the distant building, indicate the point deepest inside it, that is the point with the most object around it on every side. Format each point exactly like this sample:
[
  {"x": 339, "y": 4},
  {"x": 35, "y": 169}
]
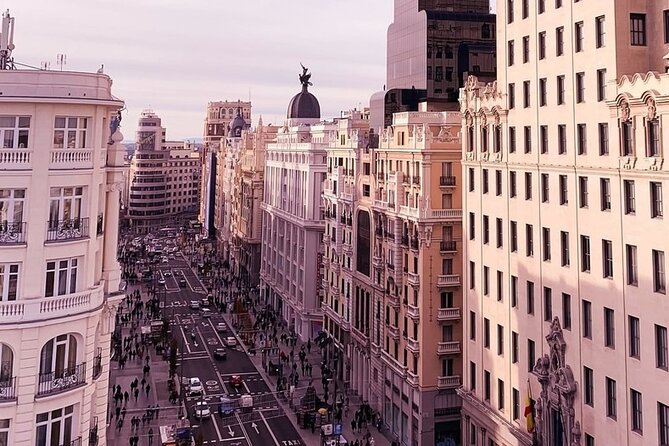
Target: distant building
[{"x": 164, "y": 180}]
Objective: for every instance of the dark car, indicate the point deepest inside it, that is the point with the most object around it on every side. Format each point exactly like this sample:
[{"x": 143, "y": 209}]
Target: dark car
[
  {"x": 182, "y": 282},
  {"x": 220, "y": 353},
  {"x": 236, "y": 381}
]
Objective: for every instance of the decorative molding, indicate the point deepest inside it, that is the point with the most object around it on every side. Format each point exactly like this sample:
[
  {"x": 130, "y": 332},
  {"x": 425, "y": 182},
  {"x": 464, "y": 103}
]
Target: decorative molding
[{"x": 652, "y": 109}]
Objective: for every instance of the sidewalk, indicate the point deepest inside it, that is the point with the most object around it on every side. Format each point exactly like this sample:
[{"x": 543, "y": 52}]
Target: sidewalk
[{"x": 314, "y": 358}]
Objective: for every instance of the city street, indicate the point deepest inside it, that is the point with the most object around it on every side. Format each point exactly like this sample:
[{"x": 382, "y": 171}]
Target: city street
[{"x": 198, "y": 338}]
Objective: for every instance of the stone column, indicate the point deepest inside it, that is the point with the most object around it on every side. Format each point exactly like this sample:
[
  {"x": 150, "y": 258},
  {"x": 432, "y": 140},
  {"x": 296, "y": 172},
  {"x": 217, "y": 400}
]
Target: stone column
[{"x": 111, "y": 271}]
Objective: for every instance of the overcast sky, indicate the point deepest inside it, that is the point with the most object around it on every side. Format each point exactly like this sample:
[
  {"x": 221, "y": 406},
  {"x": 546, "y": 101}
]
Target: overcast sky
[{"x": 174, "y": 56}]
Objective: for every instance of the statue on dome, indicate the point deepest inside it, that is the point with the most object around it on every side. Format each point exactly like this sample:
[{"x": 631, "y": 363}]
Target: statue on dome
[{"x": 305, "y": 76}]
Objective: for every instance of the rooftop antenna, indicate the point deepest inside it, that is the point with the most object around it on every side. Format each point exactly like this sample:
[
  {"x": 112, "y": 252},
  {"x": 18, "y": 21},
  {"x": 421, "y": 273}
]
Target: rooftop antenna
[
  {"x": 7, "y": 42},
  {"x": 45, "y": 65},
  {"x": 61, "y": 59}
]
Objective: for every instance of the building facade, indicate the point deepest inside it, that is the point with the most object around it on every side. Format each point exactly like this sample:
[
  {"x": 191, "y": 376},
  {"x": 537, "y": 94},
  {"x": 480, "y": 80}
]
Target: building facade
[
  {"x": 293, "y": 225},
  {"x": 61, "y": 178},
  {"x": 565, "y": 280},
  {"x": 164, "y": 179},
  {"x": 216, "y": 128}
]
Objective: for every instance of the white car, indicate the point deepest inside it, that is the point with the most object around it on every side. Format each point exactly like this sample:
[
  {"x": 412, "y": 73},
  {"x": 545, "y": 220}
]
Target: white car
[
  {"x": 201, "y": 410},
  {"x": 206, "y": 312},
  {"x": 195, "y": 304},
  {"x": 230, "y": 341},
  {"x": 195, "y": 386},
  {"x": 161, "y": 281}
]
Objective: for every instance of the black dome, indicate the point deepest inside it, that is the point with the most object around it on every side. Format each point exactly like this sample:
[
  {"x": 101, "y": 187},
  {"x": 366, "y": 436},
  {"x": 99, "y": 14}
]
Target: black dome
[
  {"x": 237, "y": 125},
  {"x": 304, "y": 105}
]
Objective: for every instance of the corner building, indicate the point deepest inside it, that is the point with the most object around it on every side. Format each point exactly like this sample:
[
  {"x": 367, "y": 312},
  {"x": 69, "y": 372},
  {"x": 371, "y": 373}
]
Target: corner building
[
  {"x": 392, "y": 280},
  {"x": 564, "y": 266},
  {"x": 60, "y": 185}
]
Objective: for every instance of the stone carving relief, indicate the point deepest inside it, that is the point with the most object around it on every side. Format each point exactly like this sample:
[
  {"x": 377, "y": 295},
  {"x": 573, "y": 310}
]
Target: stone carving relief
[
  {"x": 652, "y": 109},
  {"x": 420, "y": 132},
  {"x": 472, "y": 83},
  {"x": 625, "y": 111},
  {"x": 483, "y": 118}
]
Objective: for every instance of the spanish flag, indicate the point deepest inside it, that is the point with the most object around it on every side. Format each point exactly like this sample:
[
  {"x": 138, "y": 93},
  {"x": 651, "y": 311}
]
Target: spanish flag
[{"x": 529, "y": 409}]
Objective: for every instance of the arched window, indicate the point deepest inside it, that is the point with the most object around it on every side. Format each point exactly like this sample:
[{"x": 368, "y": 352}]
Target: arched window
[
  {"x": 59, "y": 355},
  {"x": 6, "y": 363},
  {"x": 364, "y": 237}
]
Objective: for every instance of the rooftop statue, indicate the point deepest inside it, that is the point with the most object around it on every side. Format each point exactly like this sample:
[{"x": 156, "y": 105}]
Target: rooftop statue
[{"x": 304, "y": 77}]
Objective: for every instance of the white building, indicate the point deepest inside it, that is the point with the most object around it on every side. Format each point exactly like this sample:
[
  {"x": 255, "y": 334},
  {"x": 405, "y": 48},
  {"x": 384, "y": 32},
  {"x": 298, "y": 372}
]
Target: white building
[
  {"x": 293, "y": 224},
  {"x": 60, "y": 185}
]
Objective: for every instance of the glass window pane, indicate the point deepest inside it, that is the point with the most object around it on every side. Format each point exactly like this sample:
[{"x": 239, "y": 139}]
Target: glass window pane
[
  {"x": 7, "y": 121},
  {"x": 24, "y": 121},
  {"x": 58, "y": 139},
  {"x": 72, "y": 139},
  {"x": 8, "y": 139},
  {"x": 71, "y": 123},
  {"x": 60, "y": 123}
]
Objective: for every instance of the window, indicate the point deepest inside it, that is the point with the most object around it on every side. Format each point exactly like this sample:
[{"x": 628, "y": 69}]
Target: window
[
  {"x": 514, "y": 347},
  {"x": 605, "y": 192},
  {"x": 659, "y": 282},
  {"x": 55, "y": 428},
  {"x": 546, "y": 236},
  {"x": 564, "y": 248},
  {"x": 472, "y": 326},
  {"x": 545, "y": 190},
  {"x": 527, "y": 130},
  {"x": 578, "y": 39},
  {"x": 500, "y": 394},
  {"x": 656, "y": 208},
  {"x": 486, "y": 230},
  {"x": 609, "y": 328},
  {"x": 472, "y": 180},
  {"x": 583, "y": 192},
  {"x": 559, "y": 41},
  {"x": 585, "y": 253},
  {"x": 498, "y": 183},
  {"x": 638, "y": 29},
  {"x": 497, "y": 139},
  {"x": 65, "y": 204},
  {"x": 666, "y": 26},
  {"x": 486, "y": 385},
  {"x": 589, "y": 440},
  {"x": 560, "y": 90},
  {"x": 70, "y": 133},
  {"x": 510, "y": 50},
  {"x": 530, "y": 297},
  {"x": 512, "y": 96},
  {"x": 636, "y": 411},
  {"x": 632, "y": 267},
  {"x": 514, "y": 291},
  {"x": 472, "y": 375},
  {"x": 486, "y": 280},
  {"x": 582, "y": 136},
  {"x": 558, "y": 4},
  {"x": 635, "y": 337},
  {"x": 500, "y": 340},
  {"x": 531, "y": 358},
  {"x": 529, "y": 240},
  {"x": 516, "y": 404},
  {"x": 562, "y": 139},
  {"x": 653, "y": 133},
  {"x": 485, "y": 181},
  {"x": 611, "y": 399},
  {"x": 628, "y": 191},
  {"x": 542, "y": 93},
  {"x": 472, "y": 226},
  {"x": 603, "y": 130},
  {"x": 601, "y": 85},
  {"x": 14, "y": 131},
  {"x": 661, "y": 352},
  {"x": 564, "y": 192},
  {"x": 543, "y": 139},
  {"x": 528, "y": 185},
  {"x": 12, "y": 202},
  {"x": 542, "y": 45},
  {"x": 472, "y": 275},
  {"x": 548, "y": 304},
  {"x": 541, "y": 6},
  {"x": 512, "y": 184},
  {"x": 566, "y": 311},
  {"x": 9, "y": 281},
  {"x": 514, "y": 236},
  {"x": 61, "y": 277},
  {"x": 607, "y": 259},
  {"x": 526, "y": 49},
  {"x": 509, "y": 11},
  {"x": 484, "y": 138},
  {"x": 627, "y": 138},
  {"x": 600, "y": 32},
  {"x": 526, "y": 94},
  {"x": 587, "y": 319},
  {"x": 580, "y": 87},
  {"x": 526, "y": 9},
  {"x": 512, "y": 139},
  {"x": 499, "y": 232},
  {"x": 588, "y": 386}
]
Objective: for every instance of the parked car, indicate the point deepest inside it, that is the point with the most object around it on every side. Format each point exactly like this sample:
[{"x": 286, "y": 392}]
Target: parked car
[
  {"x": 195, "y": 386},
  {"x": 167, "y": 274},
  {"x": 220, "y": 353},
  {"x": 201, "y": 410},
  {"x": 195, "y": 304},
  {"x": 236, "y": 381},
  {"x": 230, "y": 341},
  {"x": 206, "y": 312}
]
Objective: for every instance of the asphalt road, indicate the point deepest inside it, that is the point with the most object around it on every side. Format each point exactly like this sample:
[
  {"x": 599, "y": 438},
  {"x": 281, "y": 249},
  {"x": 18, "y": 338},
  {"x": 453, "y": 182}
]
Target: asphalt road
[{"x": 266, "y": 424}]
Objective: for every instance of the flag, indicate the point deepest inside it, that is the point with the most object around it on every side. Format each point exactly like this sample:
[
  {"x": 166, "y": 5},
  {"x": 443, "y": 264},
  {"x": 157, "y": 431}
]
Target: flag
[{"x": 529, "y": 409}]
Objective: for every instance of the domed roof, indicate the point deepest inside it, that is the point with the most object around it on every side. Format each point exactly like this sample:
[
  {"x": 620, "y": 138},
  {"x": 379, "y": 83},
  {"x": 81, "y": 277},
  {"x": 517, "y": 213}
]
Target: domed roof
[
  {"x": 304, "y": 105},
  {"x": 237, "y": 125}
]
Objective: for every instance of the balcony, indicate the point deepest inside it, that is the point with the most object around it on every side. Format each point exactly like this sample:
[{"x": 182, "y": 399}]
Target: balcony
[
  {"x": 393, "y": 301},
  {"x": 447, "y": 181},
  {"x": 414, "y": 244},
  {"x": 69, "y": 159},
  {"x": 448, "y": 314},
  {"x": 413, "y": 279},
  {"x": 380, "y": 204},
  {"x": 413, "y": 311},
  {"x": 324, "y": 284},
  {"x": 64, "y": 230},
  {"x": 412, "y": 379},
  {"x": 334, "y": 291},
  {"x": 390, "y": 266},
  {"x": 60, "y": 381},
  {"x": 377, "y": 261},
  {"x": 393, "y": 363},
  {"x": 326, "y": 238},
  {"x": 413, "y": 345},
  {"x": 33, "y": 310},
  {"x": 100, "y": 225},
  {"x": 8, "y": 389},
  {"x": 12, "y": 233},
  {"x": 448, "y": 348},
  {"x": 415, "y": 180},
  {"x": 404, "y": 241},
  {"x": 448, "y": 382},
  {"x": 97, "y": 364},
  {"x": 393, "y": 332},
  {"x": 361, "y": 337},
  {"x": 447, "y": 246},
  {"x": 448, "y": 280},
  {"x": 15, "y": 159}
]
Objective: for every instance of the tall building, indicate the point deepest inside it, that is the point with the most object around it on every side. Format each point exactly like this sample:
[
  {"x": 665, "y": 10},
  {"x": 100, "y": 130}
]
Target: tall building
[
  {"x": 292, "y": 215},
  {"x": 164, "y": 180},
  {"x": 216, "y": 128},
  {"x": 564, "y": 274},
  {"x": 433, "y": 45},
  {"x": 392, "y": 269},
  {"x": 247, "y": 198},
  {"x": 61, "y": 177}
]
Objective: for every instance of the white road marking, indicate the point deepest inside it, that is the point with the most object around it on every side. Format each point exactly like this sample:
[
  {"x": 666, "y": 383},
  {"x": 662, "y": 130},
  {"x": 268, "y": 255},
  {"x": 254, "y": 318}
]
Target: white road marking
[
  {"x": 246, "y": 434},
  {"x": 185, "y": 340},
  {"x": 270, "y": 430},
  {"x": 218, "y": 432}
]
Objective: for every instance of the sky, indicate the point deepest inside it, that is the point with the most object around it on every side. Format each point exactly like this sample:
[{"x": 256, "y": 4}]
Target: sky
[{"x": 174, "y": 56}]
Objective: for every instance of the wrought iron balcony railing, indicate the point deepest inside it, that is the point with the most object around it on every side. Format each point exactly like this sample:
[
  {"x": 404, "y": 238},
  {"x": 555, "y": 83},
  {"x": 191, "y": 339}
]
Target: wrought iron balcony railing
[
  {"x": 447, "y": 181},
  {"x": 12, "y": 232},
  {"x": 71, "y": 229},
  {"x": 55, "y": 382},
  {"x": 7, "y": 388}
]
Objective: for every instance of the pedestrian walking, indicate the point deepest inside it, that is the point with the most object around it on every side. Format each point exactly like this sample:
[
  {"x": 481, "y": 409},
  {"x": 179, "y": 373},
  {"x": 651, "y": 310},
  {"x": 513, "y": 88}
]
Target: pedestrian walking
[
  {"x": 148, "y": 389},
  {"x": 126, "y": 396},
  {"x": 150, "y": 436},
  {"x": 136, "y": 394},
  {"x": 353, "y": 425}
]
